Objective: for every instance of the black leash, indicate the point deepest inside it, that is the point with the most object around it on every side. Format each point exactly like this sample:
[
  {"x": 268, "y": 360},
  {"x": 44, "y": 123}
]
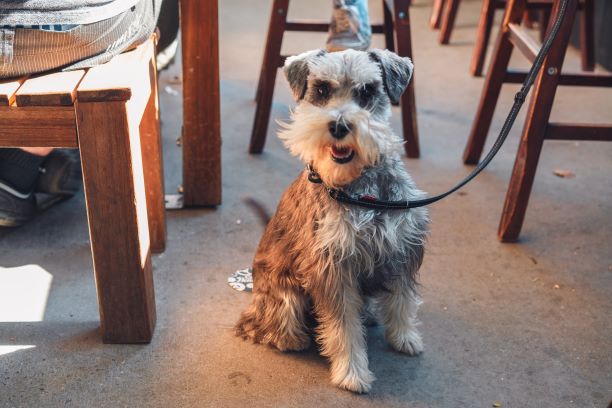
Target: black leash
[{"x": 519, "y": 99}]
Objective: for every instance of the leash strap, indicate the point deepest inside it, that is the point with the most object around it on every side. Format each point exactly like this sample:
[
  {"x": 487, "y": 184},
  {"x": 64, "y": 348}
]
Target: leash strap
[{"x": 519, "y": 99}]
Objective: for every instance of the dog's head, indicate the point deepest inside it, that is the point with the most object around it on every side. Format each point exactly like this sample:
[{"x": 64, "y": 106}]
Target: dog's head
[{"x": 341, "y": 122}]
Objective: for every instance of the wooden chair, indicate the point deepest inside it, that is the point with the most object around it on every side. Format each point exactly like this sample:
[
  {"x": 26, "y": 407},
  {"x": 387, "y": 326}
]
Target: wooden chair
[
  {"x": 487, "y": 15},
  {"x": 396, "y": 19},
  {"x": 537, "y": 126},
  {"x": 110, "y": 113},
  {"x": 444, "y": 13}
]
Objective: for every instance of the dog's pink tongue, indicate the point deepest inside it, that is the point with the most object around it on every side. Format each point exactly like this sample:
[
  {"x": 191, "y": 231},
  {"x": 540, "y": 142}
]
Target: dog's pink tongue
[{"x": 339, "y": 151}]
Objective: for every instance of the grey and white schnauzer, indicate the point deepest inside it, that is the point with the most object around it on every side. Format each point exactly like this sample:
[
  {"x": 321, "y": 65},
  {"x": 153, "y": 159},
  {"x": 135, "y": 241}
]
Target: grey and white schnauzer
[{"x": 334, "y": 262}]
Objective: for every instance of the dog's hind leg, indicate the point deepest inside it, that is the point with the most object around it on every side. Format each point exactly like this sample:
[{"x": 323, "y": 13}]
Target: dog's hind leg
[
  {"x": 398, "y": 310},
  {"x": 341, "y": 334},
  {"x": 276, "y": 317}
]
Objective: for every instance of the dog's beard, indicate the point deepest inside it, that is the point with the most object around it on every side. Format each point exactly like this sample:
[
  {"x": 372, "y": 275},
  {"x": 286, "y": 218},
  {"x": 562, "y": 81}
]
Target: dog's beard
[{"x": 308, "y": 138}]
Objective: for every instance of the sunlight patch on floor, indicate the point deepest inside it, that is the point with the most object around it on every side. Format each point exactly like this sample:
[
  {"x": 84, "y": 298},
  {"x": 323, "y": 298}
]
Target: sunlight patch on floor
[
  {"x": 10, "y": 349},
  {"x": 23, "y": 294}
]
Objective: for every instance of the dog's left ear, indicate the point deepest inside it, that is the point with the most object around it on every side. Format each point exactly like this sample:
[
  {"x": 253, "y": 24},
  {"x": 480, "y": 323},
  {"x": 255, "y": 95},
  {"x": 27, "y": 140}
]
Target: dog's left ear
[
  {"x": 396, "y": 72},
  {"x": 296, "y": 71}
]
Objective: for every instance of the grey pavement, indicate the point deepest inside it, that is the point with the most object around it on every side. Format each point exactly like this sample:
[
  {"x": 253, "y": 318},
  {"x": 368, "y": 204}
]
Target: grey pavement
[{"x": 524, "y": 325}]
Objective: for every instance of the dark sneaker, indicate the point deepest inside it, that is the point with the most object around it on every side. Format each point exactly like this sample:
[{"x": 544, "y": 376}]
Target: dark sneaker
[
  {"x": 15, "y": 208},
  {"x": 60, "y": 177},
  {"x": 60, "y": 173}
]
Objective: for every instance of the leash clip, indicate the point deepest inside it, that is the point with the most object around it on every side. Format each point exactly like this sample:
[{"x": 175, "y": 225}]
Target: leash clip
[{"x": 313, "y": 176}]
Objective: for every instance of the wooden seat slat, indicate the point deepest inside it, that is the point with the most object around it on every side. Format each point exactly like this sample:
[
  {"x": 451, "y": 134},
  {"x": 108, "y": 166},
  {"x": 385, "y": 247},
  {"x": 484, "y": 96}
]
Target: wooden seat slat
[
  {"x": 54, "y": 89},
  {"x": 8, "y": 89},
  {"x": 115, "y": 80}
]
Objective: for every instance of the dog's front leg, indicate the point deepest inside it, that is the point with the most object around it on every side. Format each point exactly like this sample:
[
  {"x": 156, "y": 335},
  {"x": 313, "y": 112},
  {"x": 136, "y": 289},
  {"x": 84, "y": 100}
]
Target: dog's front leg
[
  {"x": 276, "y": 316},
  {"x": 341, "y": 334},
  {"x": 398, "y": 309}
]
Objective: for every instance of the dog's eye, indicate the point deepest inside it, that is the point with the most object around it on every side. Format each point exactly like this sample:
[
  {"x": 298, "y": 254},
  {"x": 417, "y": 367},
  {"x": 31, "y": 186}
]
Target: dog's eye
[
  {"x": 365, "y": 94},
  {"x": 323, "y": 90}
]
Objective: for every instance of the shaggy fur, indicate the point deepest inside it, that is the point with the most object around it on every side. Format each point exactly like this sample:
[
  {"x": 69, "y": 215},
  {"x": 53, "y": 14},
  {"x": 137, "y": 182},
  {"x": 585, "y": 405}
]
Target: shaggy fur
[{"x": 319, "y": 257}]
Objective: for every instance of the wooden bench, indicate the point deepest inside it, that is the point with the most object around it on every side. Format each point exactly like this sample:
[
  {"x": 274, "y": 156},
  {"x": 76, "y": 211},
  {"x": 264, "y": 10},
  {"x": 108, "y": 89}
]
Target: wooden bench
[{"x": 111, "y": 114}]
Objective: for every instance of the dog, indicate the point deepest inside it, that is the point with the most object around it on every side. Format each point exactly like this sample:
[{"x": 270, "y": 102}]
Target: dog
[{"x": 331, "y": 261}]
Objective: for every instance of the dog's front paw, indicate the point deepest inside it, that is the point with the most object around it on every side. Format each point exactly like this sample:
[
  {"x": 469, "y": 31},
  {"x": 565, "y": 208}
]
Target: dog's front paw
[
  {"x": 409, "y": 342},
  {"x": 355, "y": 379},
  {"x": 296, "y": 343},
  {"x": 246, "y": 328}
]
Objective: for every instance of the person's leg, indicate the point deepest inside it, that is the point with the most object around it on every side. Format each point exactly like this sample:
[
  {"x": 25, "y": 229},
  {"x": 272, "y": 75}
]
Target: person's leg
[
  {"x": 33, "y": 179},
  {"x": 87, "y": 45},
  {"x": 18, "y": 174},
  {"x": 38, "y": 151},
  {"x": 350, "y": 26}
]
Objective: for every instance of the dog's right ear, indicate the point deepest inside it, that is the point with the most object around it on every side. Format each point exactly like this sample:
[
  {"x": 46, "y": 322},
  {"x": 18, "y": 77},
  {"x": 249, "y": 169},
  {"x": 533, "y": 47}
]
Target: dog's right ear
[
  {"x": 296, "y": 71},
  {"x": 396, "y": 72}
]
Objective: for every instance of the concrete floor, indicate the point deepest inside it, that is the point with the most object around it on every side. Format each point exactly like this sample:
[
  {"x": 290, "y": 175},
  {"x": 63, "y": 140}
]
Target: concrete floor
[{"x": 526, "y": 324}]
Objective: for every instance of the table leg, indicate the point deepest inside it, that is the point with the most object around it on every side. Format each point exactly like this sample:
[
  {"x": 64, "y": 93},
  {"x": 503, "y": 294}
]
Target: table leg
[{"x": 201, "y": 103}]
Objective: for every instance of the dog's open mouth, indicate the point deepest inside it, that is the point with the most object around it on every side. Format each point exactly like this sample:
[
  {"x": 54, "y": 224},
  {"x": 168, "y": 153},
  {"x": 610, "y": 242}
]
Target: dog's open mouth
[{"x": 341, "y": 154}]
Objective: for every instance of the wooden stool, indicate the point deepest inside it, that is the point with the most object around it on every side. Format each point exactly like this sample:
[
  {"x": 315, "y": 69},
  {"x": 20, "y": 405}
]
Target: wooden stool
[
  {"x": 487, "y": 15},
  {"x": 396, "y": 18},
  {"x": 537, "y": 126},
  {"x": 110, "y": 113}
]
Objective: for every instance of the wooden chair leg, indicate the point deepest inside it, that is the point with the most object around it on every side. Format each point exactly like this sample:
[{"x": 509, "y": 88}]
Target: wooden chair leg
[
  {"x": 587, "y": 35},
  {"x": 201, "y": 103},
  {"x": 152, "y": 161},
  {"x": 544, "y": 17},
  {"x": 448, "y": 21},
  {"x": 267, "y": 76},
  {"x": 493, "y": 83},
  {"x": 388, "y": 27},
  {"x": 542, "y": 98},
  {"x": 529, "y": 17},
  {"x": 117, "y": 211},
  {"x": 436, "y": 14},
  {"x": 485, "y": 24},
  {"x": 404, "y": 48}
]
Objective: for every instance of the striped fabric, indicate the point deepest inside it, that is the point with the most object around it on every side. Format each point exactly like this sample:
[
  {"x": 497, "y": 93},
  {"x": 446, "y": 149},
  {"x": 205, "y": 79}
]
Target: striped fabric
[
  {"x": 28, "y": 51},
  {"x": 14, "y": 12},
  {"x": 44, "y": 27}
]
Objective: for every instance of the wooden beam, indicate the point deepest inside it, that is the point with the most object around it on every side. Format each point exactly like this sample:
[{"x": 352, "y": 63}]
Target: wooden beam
[
  {"x": 201, "y": 103},
  {"x": 138, "y": 84},
  {"x": 306, "y": 25},
  {"x": 117, "y": 212},
  {"x": 576, "y": 131},
  {"x": 403, "y": 28},
  {"x": 38, "y": 126},
  {"x": 523, "y": 41},
  {"x": 152, "y": 158},
  {"x": 319, "y": 26},
  {"x": 566, "y": 79},
  {"x": 436, "y": 14}
]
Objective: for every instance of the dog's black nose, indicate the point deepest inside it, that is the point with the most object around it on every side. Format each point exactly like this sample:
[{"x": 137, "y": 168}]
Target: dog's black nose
[{"x": 338, "y": 129}]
